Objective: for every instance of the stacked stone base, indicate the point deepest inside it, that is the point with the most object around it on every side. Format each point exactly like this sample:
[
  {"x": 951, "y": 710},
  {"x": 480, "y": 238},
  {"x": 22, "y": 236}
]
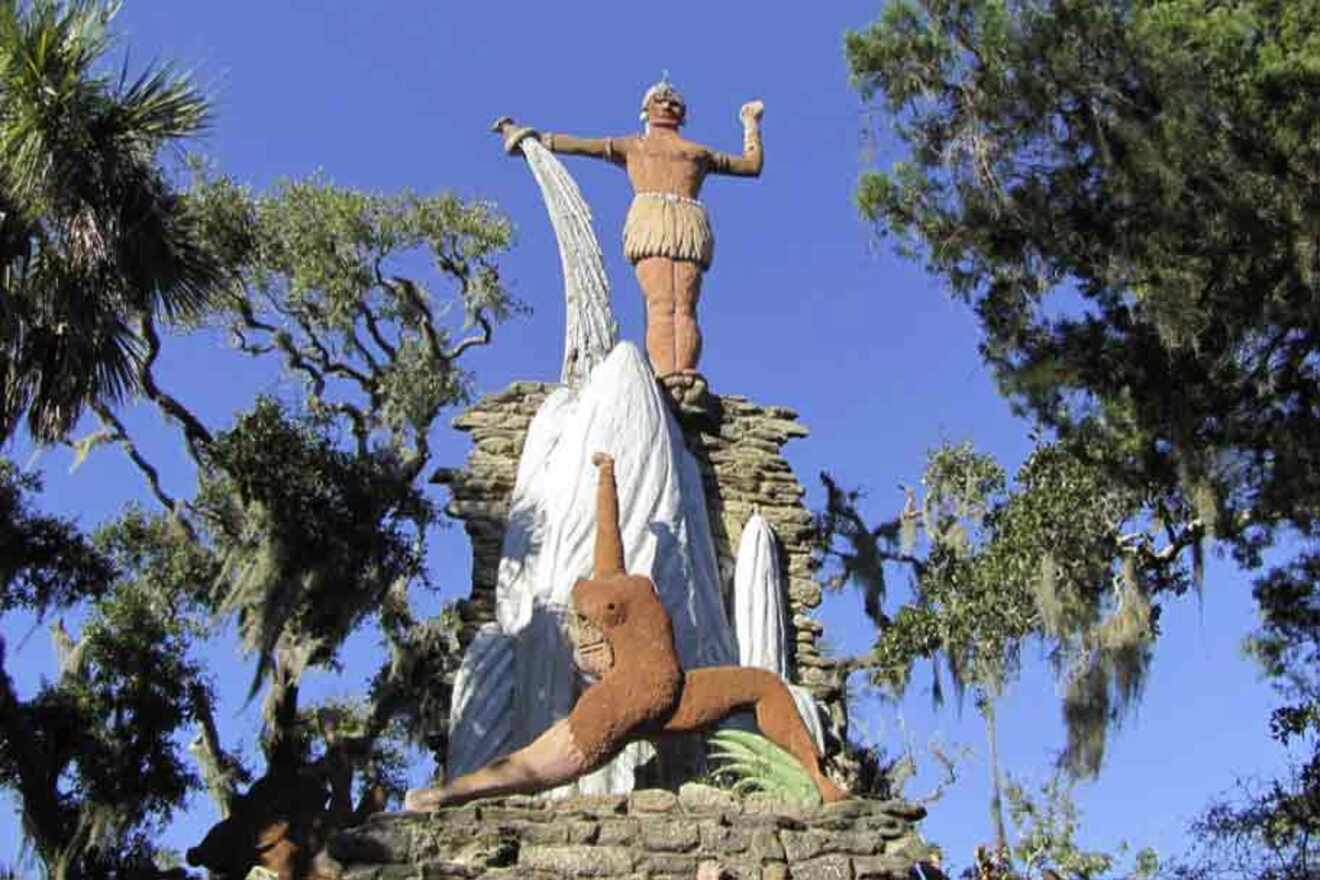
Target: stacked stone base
[{"x": 650, "y": 833}]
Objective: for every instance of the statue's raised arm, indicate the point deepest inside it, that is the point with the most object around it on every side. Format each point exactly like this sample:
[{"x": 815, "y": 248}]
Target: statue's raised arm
[
  {"x": 751, "y": 161},
  {"x": 667, "y": 235}
]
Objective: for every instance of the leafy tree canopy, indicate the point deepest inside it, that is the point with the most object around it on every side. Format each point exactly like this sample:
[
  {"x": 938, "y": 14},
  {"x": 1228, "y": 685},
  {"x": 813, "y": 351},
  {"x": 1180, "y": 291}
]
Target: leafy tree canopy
[{"x": 1127, "y": 195}]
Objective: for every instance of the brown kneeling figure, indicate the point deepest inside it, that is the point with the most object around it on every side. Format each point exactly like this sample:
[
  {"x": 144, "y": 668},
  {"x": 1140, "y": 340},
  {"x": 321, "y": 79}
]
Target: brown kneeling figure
[
  {"x": 667, "y": 234},
  {"x": 625, "y": 637}
]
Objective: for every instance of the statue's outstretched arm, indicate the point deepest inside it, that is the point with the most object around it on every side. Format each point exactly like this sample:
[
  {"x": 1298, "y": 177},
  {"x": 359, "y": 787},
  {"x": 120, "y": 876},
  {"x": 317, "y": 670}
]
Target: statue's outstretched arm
[
  {"x": 610, "y": 148},
  {"x": 749, "y": 164}
]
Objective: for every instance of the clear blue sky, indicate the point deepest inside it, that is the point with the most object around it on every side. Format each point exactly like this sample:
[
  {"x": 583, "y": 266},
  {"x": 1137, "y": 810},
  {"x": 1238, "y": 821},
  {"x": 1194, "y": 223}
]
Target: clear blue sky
[{"x": 802, "y": 308}]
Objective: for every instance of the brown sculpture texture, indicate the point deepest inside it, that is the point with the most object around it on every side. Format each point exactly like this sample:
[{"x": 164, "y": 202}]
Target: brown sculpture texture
[
  {"x": 667, "y": 235},
  {"x": 624, "y": 637}
]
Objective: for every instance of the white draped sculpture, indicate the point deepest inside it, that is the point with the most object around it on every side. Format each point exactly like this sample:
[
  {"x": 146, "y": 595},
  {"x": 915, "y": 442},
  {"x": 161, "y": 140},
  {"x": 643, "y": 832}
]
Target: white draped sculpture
[
  {"x": 548, "y": 545},
  {"x": 760, "y": 614}
]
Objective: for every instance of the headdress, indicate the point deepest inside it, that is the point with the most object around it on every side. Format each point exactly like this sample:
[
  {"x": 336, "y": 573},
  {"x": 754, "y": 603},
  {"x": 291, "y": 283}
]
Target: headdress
[{"x": 664, "y": 88}]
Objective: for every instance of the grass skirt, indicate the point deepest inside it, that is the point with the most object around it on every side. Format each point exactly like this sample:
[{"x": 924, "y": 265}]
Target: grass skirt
[{"x": 663, "y": 225}]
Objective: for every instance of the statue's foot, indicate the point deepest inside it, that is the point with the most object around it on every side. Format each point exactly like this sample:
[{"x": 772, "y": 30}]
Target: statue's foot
[
  {"x": 829, "y": 792},
  {"x": 423, "y": 800}
]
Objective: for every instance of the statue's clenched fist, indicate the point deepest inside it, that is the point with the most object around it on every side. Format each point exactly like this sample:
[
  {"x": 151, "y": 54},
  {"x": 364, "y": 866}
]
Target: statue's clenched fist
[{"x": 751, "y": 112}]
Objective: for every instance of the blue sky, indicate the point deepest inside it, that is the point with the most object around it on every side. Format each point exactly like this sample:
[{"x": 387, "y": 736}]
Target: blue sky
[{"x": 802, "y": 307}]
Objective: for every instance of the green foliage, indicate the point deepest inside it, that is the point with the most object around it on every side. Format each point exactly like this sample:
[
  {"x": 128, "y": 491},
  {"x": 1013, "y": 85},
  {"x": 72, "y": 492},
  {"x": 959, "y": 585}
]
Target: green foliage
[
  {"x": 756, "y": 764},
  {"x": 93, "y": 239},
  {"x": 1047, "y": 824},
  {"x": 45, "y": 562},
  {"x": 308, "y": 521},
  {"x": 91, "y": 755},
  {"x": 1125, "y": 193},
  {"x": 319, "y": 290},
  {"x": 309, "y": 538},
  {"x": 1059, "y": 557}
]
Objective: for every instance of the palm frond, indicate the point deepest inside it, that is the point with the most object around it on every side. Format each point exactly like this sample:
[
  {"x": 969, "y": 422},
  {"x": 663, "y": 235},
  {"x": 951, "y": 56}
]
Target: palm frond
[
  {"x": 756, "y": 764},
  {"x": 95, "y": 237},
  {"x": 162, "y": 104}
]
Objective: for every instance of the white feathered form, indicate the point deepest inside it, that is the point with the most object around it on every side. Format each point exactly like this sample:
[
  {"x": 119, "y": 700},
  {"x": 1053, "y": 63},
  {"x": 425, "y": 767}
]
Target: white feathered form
[{"x": 590, "y": 330}]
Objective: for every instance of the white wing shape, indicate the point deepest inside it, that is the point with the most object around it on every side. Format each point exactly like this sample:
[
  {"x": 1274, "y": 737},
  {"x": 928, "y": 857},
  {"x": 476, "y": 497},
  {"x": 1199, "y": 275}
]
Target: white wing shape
[{"x": 590, "y": 329}]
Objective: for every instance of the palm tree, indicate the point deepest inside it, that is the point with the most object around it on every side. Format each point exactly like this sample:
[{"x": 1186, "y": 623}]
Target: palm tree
[{"x": 95, "y": 244}]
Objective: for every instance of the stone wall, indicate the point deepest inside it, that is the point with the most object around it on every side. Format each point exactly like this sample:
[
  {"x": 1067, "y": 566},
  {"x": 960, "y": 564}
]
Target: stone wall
[
  {"x": 737, "y": 444},
  {"x": 649, "y": 833}
]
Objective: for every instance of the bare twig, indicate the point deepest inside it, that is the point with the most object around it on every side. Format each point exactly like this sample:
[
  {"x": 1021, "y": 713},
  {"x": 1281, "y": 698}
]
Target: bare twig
[
  {"x": 482, "y": 338},
  {"x": 149, "y": 472}
]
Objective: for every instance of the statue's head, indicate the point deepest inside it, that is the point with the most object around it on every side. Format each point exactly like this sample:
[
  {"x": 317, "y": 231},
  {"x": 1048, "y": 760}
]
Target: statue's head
[
  {"x": 663, "y": 106},
  {"x": 612, "y": 614}
]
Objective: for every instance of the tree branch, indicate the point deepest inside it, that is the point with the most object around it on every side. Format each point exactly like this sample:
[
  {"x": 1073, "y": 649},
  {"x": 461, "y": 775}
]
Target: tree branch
[
  {"x": 195, "y": 433},
  {"x": 482, "y": 338},
  {"x": 120, "y": 435},
  {"x": 220, "y": 771}
]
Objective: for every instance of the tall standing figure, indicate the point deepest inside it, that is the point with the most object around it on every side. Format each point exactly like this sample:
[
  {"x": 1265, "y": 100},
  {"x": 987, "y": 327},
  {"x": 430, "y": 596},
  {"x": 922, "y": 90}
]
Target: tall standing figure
[{"x": 667, "y": 235}]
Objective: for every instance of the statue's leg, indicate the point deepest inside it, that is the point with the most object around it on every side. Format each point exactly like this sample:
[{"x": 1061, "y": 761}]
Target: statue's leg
[
  {"x": 656, "y": 277},
  {"x": 552, "y": 759},
  {"x": 687, "y": 335},
  {"x": 712, "y": 694}
]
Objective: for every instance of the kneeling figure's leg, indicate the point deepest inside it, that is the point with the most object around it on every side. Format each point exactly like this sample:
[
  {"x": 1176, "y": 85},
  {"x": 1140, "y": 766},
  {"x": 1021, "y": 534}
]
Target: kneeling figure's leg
[
  {"x": 552, "y": 759},
  {"x": 712, "y": 694}
]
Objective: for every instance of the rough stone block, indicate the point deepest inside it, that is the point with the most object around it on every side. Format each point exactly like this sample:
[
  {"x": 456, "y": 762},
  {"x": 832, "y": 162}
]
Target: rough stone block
[
  {"x": 738, "y": 869},
  {"x": 881, "y": 867},
  {"x": 802, "y": 845},
  {"x": 758, "y": 803},
  {"x": 885, "y": 827},
  {"x": 852, "y": 808},
  {"x": 909, "y": 847},
  {"x": 618, "y": 832},
  {"x": 536, "y": 833},
  {"x": 513, "y": 814},
  {"x": 719, "y": 838},
  {"x": 381, "y": 872},
  {"x": 824, "y": 868},
  {"x": 669, "y": 863},
  {"x": 805, "y": 591},
  {"x": 577, "y": 861},
  {"x": 652, "y": 800},
  {"x": 373, "y": 843},
  {"x": 446, "y": 871},
  {"x": 580, "y": 831},
  {"x": 903, "y": 809},
  {"x": 774, "y": 871},
  {"x": 674, "y": 836},
  {"x": 705, "y": 800},
  {"x": 764, "y": 845},
  {"x": 593, "y": 805}
]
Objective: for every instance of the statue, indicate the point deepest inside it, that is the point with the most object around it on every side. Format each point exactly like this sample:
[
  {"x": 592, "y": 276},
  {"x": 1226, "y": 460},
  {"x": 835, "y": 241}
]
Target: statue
[
  {"x": 624, "y": 638},
  {"x": 667, "y": 235}
]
